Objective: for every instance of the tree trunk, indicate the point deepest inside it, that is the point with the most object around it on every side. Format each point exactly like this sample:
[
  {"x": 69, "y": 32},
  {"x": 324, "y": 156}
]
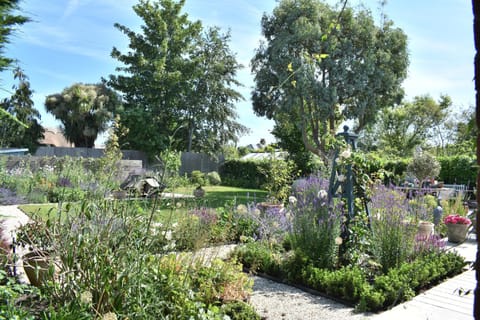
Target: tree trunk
[{"x": 476, "y": 32}]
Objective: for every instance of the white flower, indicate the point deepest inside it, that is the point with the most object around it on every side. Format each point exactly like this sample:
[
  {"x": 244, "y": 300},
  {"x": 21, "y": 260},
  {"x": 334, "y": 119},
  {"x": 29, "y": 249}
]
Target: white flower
[
  {"x": 322, "y": 194},
  {"x": 174, "y": 225},
  {"x": 338, "y": 161},
  {"x": 86, "y": 297},
  {"x": 178, "y": 204},
  {"x": 346, "y": 154},
  {"x": 241, "y": 208},
  {"x": 341, "y": 178},
  {"x": 168, "y": 235},
  {"x": 109, "y": 316},
  {"x": 292, "y": 200},
  {"x": 338, "y": 241}
]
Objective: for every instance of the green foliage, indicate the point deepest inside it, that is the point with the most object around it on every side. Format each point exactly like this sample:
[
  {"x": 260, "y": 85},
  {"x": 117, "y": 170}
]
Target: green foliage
[
  {"x": 239, "y": 310},
  {"x": 243, "y": 174},
  {"x": 176, "y": 77},
  {"x": 393, "y": 233},
  {"x": 309, "y": 66},
  {"x": 214, "y": 178},
  {"x": 259, "y": 257},
  {"x": 61, "y": 179},
  {"x": 9, "y": 23},
  {"x": 278, "y": 178},
  {"x": 15, "y": 297},
  {"x": 402, "y": 283},
  {"x": 84, "y": 110},
  {"x": 198, "y": 178},
  {"x": 423, "y": 166},
  {"x": 401, "y": 128},
  {"x": 20, "y": 105},
  {"x": 458, "y": 170},
  {"x": 113, "y": 259}
]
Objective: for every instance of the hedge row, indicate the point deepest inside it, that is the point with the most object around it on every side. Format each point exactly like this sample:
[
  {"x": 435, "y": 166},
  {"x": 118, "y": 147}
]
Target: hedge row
[
  {"x": 454, "y": 170},
  {"x": 351, "y": 284},
  {"x": 243, "y": 174}
]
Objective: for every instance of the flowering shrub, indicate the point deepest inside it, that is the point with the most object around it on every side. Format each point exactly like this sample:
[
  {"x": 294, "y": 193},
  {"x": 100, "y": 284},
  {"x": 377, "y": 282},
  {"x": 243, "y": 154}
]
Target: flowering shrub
[
  {"x": 456, "y": 219},
  {"x": 316, "y": 225},
  {"x": 393, "y": 233}
]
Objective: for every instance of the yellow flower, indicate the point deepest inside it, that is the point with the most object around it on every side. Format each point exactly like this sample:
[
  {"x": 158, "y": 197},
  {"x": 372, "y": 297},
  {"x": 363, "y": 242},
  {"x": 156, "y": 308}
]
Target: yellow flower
[{"x": 290, "y": 67}]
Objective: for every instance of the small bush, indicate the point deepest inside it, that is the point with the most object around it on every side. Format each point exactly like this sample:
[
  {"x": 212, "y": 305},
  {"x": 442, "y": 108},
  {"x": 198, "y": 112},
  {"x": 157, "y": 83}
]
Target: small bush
[
  {"x": 197, "y": 178},
  {"x": 214, "y": 178},
  {"x": 239, "y": 310}
]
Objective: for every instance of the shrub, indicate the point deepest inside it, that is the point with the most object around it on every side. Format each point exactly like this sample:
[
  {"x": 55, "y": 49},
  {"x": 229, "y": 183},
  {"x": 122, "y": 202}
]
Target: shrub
[
  {"x": 243, "y": 174},
  {"x": 239, "y": 310},
  {"x": 214, "y": 178},
  {"x": 197, "y": 178},
  {"x": 392, "y": 232},
  {"x": 316, "y": 224},
  {"x": 423, "y": 166}
]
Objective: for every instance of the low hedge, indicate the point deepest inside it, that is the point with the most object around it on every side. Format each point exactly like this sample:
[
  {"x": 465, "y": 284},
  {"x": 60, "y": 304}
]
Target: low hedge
[{"x": 351, "y": 284}]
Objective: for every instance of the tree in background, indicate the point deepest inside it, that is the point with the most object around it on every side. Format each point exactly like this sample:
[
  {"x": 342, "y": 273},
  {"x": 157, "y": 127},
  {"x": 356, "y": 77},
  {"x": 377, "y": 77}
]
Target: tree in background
[
  {"x": 327, "y": 66},
  {"x": 8, "y": 23},
  {"x": 400, "y": 129},
  {"x": 210, "y": 111},
  {"x": 176, "y": 78},
  {"x": 84, "y": 111},
  {"x": 20, "y": 124}
]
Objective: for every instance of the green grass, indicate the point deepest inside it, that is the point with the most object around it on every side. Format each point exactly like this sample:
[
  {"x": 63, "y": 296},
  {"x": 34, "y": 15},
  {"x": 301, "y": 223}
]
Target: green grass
[{"x": 215, "y": 196}]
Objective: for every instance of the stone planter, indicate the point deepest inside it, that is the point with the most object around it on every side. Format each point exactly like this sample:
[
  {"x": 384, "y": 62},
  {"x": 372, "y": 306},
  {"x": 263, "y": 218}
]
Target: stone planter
[
  {"x": 425, "y": 229},
  {"x": 457, "y": 232}
]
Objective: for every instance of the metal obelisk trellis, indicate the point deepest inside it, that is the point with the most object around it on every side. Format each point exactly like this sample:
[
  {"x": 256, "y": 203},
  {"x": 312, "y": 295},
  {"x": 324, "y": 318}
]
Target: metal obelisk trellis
[{"x": 347, "y": 184}]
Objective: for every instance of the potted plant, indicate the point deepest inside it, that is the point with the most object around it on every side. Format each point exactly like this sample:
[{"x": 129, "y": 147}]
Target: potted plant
[
  {"x": 36, "y": 245},
  {"x": 457, "y": 227}
]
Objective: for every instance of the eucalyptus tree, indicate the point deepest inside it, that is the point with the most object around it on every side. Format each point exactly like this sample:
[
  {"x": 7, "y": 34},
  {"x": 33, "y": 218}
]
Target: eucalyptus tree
[
  {"x": 327, "y": 65},
  {"x": 85, "y": 110},
  {"x": 177, "y": 83}
]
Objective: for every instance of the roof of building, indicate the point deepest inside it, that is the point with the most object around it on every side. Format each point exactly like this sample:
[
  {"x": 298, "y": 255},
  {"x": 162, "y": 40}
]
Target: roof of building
[{"x": 54, "y": 137}]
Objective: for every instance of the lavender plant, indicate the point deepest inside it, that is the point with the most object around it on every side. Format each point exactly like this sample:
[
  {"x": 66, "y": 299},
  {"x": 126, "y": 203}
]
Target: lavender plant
[
  {"x": 316, "y": 224},
  {"x": 392, "y": 233}
]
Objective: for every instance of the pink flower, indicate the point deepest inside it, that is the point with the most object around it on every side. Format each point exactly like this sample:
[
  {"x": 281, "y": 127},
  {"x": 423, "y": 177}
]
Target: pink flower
[{"x": 456, "y": 219}]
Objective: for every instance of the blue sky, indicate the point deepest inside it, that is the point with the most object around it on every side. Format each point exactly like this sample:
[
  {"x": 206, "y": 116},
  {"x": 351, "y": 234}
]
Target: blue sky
[{"x": 70, "y": 41}]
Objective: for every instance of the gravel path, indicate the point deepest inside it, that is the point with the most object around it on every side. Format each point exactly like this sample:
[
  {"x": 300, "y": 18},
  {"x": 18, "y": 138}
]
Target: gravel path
[{"x": 273, "y": 300}]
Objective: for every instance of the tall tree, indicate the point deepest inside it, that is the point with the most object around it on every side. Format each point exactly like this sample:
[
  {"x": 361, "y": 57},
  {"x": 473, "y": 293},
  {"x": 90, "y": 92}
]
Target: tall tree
[
  {"x": 400, "y": 129},
  {"x": 8, "y": 22},
  {"x": 210, "y": 111},
  {"x": 328, "y": 65},
  {"x": 84, "y": 111},
  {"x": 176, "y": 82},
  {"x": 24, "y": 130}
]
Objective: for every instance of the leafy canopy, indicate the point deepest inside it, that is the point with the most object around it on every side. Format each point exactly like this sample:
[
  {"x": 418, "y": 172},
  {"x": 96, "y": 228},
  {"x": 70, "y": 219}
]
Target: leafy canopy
[
  {"x": 176, "y": 81},
  {"x": 84, "y": 110},
  {"x": 326, "y": 66}
]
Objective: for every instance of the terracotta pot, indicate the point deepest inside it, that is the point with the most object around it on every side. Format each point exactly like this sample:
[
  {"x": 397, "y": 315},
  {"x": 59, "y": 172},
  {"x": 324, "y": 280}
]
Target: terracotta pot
[
  {"x": 40, "y": 266},
  {"x": 457, "y": 232}
]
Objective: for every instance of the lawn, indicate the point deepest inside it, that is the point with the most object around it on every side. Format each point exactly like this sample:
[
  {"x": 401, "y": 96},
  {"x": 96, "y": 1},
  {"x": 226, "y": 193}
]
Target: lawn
[{"x": 215, "y": 196}]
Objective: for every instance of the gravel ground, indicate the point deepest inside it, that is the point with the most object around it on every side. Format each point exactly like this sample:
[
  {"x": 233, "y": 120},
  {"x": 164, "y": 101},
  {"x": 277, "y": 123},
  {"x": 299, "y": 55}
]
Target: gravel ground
[{"x": 273, "y": 300}]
